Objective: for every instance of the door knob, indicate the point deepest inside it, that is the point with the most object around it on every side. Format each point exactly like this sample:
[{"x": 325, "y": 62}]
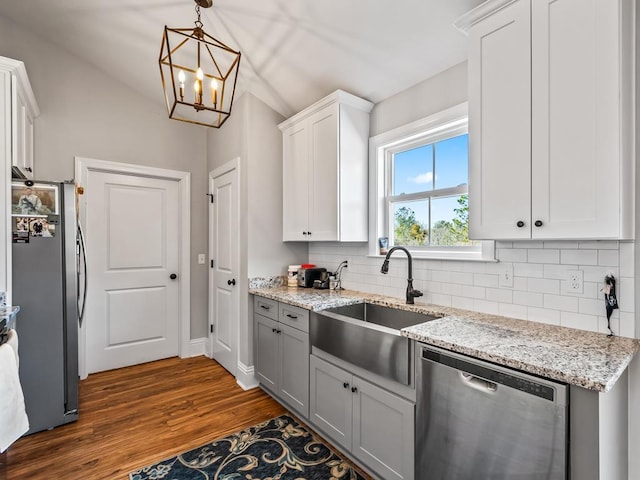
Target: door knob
[
  {"x": 231, "y": 282},
  {"x": 173, "y": 276},
  {"x": 520, "y": 224}
]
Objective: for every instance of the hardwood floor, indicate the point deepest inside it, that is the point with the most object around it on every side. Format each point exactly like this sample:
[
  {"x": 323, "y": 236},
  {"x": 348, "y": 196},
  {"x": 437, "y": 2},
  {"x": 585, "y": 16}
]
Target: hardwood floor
[{"x": 135, "y": 416}]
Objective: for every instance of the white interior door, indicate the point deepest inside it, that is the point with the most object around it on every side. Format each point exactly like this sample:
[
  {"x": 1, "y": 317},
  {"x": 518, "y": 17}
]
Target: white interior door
[
  {"x": 224, "y": 252},
  {"x": 132, "y": 237}
]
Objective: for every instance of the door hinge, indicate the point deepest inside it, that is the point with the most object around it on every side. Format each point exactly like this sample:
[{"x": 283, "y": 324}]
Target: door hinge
[
  {"x": 213, "y": 263},
  {"x": 211, "y": 197},
  {"x": 211, "y": 329}
]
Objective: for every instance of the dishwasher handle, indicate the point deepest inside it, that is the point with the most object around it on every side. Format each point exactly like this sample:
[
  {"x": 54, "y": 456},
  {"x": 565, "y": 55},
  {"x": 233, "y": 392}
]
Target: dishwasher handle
[{"x": 478, "y": 383}]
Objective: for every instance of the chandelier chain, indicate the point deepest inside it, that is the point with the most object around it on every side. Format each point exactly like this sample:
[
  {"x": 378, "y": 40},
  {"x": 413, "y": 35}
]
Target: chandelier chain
[{"x": 198, "y": 23}]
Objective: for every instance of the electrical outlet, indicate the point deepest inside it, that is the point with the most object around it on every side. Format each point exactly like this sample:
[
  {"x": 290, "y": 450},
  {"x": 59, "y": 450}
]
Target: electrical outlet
[
  {"x": 575, "y": 281},
  {"x": 201, "y": 258},
  {"x": 506, "y": 276}
]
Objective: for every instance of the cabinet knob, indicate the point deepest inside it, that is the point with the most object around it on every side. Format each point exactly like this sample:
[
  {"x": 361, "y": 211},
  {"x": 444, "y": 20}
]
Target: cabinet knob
[
  {"x": 231, "y": 282},
  {"x": 273, "y": 330},
  {"x": 173, "y": 276},
  {"x": 538, "y": 223},
  {"x": 345, "y": 384},
  {"x": 520, "y": 224},
  {"x": 354, "y": 389},
  {"x": 304, "y": 233},
  {"x": 29, "y": 169}
]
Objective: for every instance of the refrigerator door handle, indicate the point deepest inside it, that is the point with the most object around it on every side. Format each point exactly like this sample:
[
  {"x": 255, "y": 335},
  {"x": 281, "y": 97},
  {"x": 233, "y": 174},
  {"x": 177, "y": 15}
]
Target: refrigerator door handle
[{"x": 81, "y": 306}]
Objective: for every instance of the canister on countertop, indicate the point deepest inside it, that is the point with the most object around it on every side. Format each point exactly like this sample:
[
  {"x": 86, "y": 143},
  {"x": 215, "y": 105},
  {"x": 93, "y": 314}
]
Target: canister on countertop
[{"x": 292, "y": 276}]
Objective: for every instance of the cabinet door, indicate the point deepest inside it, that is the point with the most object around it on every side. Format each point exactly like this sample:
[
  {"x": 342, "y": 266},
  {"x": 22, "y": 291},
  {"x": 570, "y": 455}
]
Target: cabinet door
[
  {"x": 500, "y": 124},
  {"x": 383, "y": 431},
  {"x": 266, "y": 352},
  {"x": 330, "y": 403},
  {"x": 22, "y": 135},
  {"x": 294, "y": 369},
  {"x": 324, "y": 180},
  {"x": 576, "y": 118},
  {"x": 295, "y": 183}
]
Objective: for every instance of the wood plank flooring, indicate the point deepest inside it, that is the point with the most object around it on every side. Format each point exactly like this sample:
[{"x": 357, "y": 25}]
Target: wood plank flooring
[{"x": 135, "y": 416}]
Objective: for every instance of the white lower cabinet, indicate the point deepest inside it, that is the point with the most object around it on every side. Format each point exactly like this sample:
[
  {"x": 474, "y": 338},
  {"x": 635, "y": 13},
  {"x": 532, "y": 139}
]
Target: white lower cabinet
[
  {"x": 282, "y": 352},
  {"x": 371, "y": 423}
]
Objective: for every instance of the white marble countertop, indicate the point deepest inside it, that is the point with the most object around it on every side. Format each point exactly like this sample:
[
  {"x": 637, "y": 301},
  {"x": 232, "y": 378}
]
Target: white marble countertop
[{"x": 586, "y": 359}]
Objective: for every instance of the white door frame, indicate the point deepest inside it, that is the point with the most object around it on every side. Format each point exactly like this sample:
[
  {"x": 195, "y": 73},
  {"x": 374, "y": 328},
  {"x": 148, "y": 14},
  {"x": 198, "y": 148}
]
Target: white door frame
[
  {"x": 82, "y": 168},
  {"x": 233, "y": 164}
]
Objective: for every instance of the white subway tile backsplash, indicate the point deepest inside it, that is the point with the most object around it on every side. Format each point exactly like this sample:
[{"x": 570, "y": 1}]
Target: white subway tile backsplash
[
  {"x": 591, "y": 306},
  {"x": 579, "y": 320},
  {"x": 608, "y": 258},
  {"x": 530, "y": 299},
  {"x": 532, "y": 270},
  {"x": 540, "y": 271},
  {"x": 558, "y": 272},
  {"x": 462, "y": 278},
  {"x": 599, "y": 244},
  {"x": 485, "y": 306},
  {"x": 627, "y": 259},
  {"x": 513, "y": 311},
  {"x": 627, "y": 324},
  {"x": 615, "y": 324},
  {"x": 543, "y": 315},
  {"x": 579, "y": 257},
  {"x": 499, "y": 295},
  {"x": 511, "y": 254},
  {"x": 625, "y": 291},
  {"x": 462, "y": 302},
  {"x": 541, "y": 255},
  {"x": 473, "y": 292},
  {"x": 485, "y": 280},
  {"x": 543, "y": 285},
  {"x": 561, "y": 302},
  {"x": 560, "y": 244},
  {"x": 528, "y": 244}
]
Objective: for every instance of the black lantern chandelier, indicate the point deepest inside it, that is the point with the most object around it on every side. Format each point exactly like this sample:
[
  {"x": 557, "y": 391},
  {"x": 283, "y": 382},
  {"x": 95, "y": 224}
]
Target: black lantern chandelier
[{"x": 199, "y": 74}]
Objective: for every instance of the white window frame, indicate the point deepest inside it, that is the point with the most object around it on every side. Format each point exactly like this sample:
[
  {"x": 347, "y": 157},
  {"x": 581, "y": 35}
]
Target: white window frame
[{"x": 442, "y": 125}]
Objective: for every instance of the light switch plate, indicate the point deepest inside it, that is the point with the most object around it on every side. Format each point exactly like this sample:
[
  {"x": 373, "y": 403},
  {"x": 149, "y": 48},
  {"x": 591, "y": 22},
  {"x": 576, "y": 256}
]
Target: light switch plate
[
  {"x": 201, "y": 258},
  {"x": 506, "y": 276}
]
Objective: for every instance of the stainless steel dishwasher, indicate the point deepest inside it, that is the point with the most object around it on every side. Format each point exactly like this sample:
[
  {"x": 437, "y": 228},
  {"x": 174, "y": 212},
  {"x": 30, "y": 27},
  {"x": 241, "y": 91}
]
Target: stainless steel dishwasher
[{"x": 476, "y": 420}]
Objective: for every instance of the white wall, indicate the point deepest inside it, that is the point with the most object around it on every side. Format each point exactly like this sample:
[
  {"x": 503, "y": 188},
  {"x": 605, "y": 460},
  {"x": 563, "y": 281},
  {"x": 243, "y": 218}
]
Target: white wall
[
  {"x": 251, "y": 133},
  {"x": 86, "y": 113}
]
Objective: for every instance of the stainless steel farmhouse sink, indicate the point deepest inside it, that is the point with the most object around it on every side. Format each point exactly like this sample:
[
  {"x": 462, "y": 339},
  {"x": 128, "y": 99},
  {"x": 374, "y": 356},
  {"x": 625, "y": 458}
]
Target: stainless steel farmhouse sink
[{"x": 368, "y": 336}]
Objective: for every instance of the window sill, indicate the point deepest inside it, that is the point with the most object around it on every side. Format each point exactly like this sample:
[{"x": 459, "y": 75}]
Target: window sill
[{"x": 456, "y": 258}]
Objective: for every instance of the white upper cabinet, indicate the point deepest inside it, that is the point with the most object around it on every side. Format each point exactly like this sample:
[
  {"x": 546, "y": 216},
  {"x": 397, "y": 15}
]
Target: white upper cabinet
[
  {"x": 19, "y": 109},
  {"x": 551, "y": 119},
  {"x": 19, "y": 102},
  {"x": 324, "y": 170}
]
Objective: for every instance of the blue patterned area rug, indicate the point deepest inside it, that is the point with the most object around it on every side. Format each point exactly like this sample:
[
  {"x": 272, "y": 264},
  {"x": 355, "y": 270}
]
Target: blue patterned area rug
[{"x": 278, "y": 449}]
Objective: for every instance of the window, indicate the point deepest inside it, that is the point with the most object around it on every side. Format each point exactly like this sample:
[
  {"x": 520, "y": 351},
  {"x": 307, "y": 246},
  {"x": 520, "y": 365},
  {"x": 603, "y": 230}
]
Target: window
[{"x": 421, "y": 172}]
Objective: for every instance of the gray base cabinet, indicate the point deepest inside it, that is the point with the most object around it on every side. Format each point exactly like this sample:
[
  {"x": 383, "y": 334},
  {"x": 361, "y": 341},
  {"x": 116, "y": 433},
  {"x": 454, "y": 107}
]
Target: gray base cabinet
[
  {"x": 375, "y": 426},
  {"x": 281, "y": 339}
]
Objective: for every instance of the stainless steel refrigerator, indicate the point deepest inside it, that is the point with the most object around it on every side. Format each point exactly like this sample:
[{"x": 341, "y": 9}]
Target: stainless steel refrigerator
[{"x": 45, "y": 286}]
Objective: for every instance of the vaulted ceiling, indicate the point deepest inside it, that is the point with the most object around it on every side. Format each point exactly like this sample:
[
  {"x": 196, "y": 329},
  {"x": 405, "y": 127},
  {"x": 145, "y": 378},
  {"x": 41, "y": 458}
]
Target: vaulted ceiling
[{"x": 293, "y": 51}]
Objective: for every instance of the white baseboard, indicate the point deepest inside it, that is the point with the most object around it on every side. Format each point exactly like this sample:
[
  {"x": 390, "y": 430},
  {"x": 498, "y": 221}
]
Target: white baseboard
[
  {"x": 197, "y": 347},
  {"x": 245, "y": 377}
]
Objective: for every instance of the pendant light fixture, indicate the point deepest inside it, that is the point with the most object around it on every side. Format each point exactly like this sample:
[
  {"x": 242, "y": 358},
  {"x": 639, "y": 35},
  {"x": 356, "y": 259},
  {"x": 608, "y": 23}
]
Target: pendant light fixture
[{"x": 198, "y": 73}]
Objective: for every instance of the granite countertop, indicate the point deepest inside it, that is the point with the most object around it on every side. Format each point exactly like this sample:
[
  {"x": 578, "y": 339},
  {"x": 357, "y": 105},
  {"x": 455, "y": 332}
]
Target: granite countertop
[{"x": 586, "y": 359}]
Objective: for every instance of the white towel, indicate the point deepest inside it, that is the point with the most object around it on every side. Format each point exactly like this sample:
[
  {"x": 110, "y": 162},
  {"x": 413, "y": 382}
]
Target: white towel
[
  {"x": 12, "y": 341},
  {"x": 13, "y": 417}
]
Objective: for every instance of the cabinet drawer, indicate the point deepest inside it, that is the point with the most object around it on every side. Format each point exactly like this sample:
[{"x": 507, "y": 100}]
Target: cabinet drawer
[
  {"x": 295, "y": 317},
  {"x": 265, "y": 307}
]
